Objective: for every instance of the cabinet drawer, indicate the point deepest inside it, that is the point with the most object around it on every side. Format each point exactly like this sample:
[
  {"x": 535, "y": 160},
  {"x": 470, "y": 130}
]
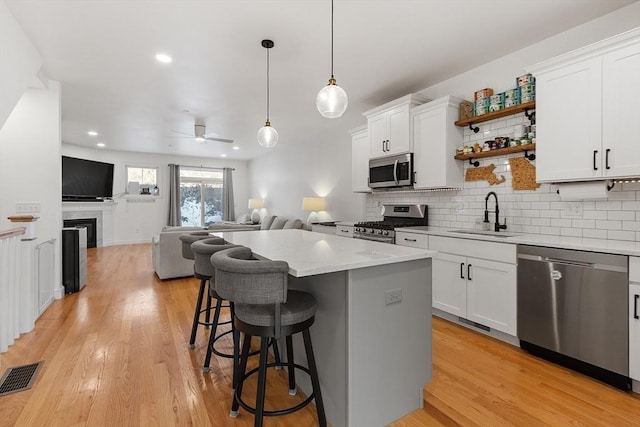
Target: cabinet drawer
[
  {"x": 503, "y": 252},
  {"x": 344, "y": 231},
  {"x": 414, "y": 240},
  {"x": 634, "y": 269}
]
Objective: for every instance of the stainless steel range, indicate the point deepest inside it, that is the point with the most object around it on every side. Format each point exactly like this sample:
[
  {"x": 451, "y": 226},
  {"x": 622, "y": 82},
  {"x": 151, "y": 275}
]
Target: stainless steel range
[{"x": 395, "y": 216}]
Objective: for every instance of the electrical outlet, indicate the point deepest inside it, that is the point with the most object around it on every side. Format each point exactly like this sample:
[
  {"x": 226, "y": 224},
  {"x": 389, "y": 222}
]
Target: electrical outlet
[
  {"x": 392, "y": 296},
  {"x": 573, "y": 210},
  {"x": 28, "y": 207}
]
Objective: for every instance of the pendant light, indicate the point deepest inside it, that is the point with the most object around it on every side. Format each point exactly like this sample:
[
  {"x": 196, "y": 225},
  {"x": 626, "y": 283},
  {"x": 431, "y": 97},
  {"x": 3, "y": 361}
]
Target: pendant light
[
  {"x": 267, "y": 135},
  {"x": 332, "y": 100}
]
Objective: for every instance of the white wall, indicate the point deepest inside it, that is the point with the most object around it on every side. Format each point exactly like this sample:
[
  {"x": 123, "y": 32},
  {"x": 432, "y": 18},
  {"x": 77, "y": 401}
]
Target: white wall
[
  {"x": 19, "y": 62},
  {"x": 319, "y": 166},
  {"x": 137, "y": 222},
  {"x": 30, "y": 169}
]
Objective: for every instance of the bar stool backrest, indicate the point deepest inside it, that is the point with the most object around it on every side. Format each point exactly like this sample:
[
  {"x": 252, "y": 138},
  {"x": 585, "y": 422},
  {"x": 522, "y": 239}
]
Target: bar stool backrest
[
  {"x": 242, "y": 278},
  {"x": 202, "y": 251},
  {"x": 188, "y": 239}
]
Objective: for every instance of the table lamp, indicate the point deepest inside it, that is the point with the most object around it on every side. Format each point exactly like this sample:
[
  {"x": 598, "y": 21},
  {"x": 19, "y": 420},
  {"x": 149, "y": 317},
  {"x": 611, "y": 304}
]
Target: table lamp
[
  {"x": 256, "y": 204},
  {"x": 313, "y": 205}
]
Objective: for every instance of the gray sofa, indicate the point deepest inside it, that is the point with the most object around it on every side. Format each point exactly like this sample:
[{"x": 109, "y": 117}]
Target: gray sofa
[{"x": 167, "y": 247}]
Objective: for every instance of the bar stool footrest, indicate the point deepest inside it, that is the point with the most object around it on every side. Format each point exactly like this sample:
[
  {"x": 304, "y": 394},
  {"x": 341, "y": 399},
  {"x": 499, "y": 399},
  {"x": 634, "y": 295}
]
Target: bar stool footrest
[{"x": 277, "y": 412}]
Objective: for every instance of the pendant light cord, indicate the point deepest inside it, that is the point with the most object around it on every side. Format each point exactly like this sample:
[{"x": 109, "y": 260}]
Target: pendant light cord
[
  {"x": 267, "y": 84},
  {"x": 332, "y": 39}
]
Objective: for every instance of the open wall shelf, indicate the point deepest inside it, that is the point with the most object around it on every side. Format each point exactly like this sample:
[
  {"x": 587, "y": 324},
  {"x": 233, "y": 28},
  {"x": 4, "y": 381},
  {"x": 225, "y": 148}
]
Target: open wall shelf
[
  {"x": 498, "y": 152},
  {"x": 497, "y": 114}
]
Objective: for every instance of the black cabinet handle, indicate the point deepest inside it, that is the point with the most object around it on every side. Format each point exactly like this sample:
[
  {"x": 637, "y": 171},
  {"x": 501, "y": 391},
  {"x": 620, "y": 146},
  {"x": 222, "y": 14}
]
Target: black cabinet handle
[
  {"x": 410, "y": 240},
  {"x": 469, "y": 271},
  {"x": 606, "y": 158},
  {"x": 595, "y": 168},
  {"x": 635, "y": 306},
  {"x": 461, "y": 267}
]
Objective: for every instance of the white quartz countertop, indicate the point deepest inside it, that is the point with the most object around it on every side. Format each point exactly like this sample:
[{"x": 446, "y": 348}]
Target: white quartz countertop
[
  {"x": 309, "y": 253},
  {"x": 565, "y": 242}
]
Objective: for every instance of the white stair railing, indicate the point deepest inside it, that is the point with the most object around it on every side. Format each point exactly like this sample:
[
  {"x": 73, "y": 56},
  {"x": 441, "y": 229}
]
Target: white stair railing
[{"x": 10, "y": 282}]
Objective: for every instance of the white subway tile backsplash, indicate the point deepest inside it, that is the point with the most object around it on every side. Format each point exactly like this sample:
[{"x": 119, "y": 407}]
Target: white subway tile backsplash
[
  {"x": 573, "y": 232},
  {"x": 629, "y": 205},
  {"x": 609, "y": 206},
  {"x": 621, "y": 235},
  {"x": 594, "y": 234},
  {"x": 622, "y": 215},
  {"x": 594, "y": 214},
  {"x": 537, "y": 211},
  {"x": 608, "y": 225},
  {"x": 561, "y": 222},
  {"x": 583, "y": 223}
]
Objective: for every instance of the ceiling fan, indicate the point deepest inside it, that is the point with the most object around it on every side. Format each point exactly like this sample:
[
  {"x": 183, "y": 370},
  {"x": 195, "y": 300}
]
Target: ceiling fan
[{"x": 200, "y": 135}]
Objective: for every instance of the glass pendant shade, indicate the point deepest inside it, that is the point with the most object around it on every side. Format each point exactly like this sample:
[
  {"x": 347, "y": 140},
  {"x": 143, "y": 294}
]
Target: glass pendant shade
[
  {"x": 267, "y": 136},
  {"x": 332, "y": 100}
]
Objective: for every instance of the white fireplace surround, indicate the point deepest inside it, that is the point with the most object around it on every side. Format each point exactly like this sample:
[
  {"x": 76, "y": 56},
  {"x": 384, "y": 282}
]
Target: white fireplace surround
[{"x": 101, "y": 211}]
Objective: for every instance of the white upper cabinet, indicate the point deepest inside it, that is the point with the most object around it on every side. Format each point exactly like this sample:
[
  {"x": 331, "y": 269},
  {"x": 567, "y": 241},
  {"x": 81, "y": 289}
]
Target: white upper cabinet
[
  {"x": 620, "y": 111},
  {"x": 587, "y": 103},
  {"x": 360, "y": 160},
  {"x": 435, "y": 138},
  {"x": 390, "y": 127}
]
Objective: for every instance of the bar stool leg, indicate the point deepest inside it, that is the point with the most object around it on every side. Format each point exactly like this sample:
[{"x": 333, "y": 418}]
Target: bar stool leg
[
  {"x": 196, "y": 315},
  {"x": 207, "y": 314},
  {"x": 262, "y": 382},
  {"x": 315, "y": 382},
  {"x": 276, "y": 351},
  {"x": 291, "y": 369},
  {"x": 236, "y": 346},
  {"x": 237, "y": 379},
  {"x": 212, "y": 335}
]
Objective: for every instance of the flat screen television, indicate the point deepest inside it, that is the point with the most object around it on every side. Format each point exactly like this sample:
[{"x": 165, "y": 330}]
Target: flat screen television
[{"x": 86, "y": 180}]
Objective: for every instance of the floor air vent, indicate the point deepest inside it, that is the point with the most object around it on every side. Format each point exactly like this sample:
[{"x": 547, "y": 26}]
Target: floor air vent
[{"x": 19, "y": 378}]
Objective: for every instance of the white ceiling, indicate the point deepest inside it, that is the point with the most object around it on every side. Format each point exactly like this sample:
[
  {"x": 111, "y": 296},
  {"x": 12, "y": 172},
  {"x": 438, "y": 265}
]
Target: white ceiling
[{"x": 103, "y": 53}]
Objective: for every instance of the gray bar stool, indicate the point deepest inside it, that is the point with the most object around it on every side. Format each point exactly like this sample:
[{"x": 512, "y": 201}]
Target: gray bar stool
[
  {"x": 202, "y": 250},
  {"x": 187, "y": 253},
  {"x": 265, "y": 308}
]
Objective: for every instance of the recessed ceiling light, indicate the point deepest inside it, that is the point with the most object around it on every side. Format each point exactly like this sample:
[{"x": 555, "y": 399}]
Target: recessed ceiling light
[
  {"x": 164, "y": 58},
  {"x": 236, "y": 148},
  {"x": 92, "y": 133},
  {"x": 100, "y": 144},
  {"x": 223, "y": 155}
]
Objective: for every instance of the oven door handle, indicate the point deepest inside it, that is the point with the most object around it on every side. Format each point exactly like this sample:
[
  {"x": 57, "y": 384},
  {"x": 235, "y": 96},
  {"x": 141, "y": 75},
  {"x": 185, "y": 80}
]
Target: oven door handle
[{"x": 395, "y": 171}]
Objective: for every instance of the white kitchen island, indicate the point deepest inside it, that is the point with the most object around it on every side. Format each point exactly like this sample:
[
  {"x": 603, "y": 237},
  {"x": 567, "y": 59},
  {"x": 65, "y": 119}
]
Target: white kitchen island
[{"x": 373, "y": 358}]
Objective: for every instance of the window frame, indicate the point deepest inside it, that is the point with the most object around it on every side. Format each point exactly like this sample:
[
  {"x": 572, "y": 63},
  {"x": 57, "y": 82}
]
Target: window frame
[
  {"x": 202, "y": 181},
  {"x": 158, "y": 171}
]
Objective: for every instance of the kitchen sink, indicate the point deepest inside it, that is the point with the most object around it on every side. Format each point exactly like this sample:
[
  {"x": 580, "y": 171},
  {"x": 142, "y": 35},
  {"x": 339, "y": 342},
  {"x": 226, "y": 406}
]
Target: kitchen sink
[{"x": 484, "y": 233}]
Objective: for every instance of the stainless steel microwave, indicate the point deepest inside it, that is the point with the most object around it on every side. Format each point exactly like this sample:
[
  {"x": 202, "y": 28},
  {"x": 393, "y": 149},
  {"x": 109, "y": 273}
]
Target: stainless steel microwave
[{"x": 392, "y": 171}]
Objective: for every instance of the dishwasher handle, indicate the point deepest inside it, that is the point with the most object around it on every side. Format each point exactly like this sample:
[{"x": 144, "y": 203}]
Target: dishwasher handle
[
  {"x": 572, "y": 263},
  {"x": 568, "y": 262}
]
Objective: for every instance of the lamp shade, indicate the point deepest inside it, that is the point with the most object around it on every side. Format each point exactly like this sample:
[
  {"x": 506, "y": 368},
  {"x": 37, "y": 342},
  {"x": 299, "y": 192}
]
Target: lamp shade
[
  {"x": 332, "y": 100},
  {"x": 267, "y": 136},
  {"x": 314, "y": 204},
  {"x": 256, "y": 203}
]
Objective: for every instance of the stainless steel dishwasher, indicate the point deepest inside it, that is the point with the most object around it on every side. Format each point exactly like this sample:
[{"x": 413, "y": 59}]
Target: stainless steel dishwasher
[{"x": 572, "y": 310}]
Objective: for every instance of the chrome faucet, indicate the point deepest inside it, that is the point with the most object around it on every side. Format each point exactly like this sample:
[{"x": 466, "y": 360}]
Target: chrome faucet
[{"x": 497, "y": 226}]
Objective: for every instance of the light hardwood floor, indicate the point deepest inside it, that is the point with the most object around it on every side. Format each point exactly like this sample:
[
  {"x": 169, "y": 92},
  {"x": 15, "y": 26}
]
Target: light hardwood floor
[{"x": 116, "y": 354}]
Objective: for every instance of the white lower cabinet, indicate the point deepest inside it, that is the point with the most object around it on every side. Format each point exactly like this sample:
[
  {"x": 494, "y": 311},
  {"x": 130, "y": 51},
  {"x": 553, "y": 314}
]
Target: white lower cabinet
[
  {"x": 468, "y": 285},
  {"x": 634, "y": 318},
  {"x": 344, "y": 230}
]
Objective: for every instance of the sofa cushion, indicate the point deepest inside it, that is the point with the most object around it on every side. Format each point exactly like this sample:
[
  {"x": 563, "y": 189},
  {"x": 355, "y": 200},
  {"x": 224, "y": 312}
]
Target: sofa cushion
[
  {"x": 267, "y": 221},
  {"x": 181, "y": 228},
  {"x": 293, "y": 223},
  {"x": 278, "y": 224}
]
